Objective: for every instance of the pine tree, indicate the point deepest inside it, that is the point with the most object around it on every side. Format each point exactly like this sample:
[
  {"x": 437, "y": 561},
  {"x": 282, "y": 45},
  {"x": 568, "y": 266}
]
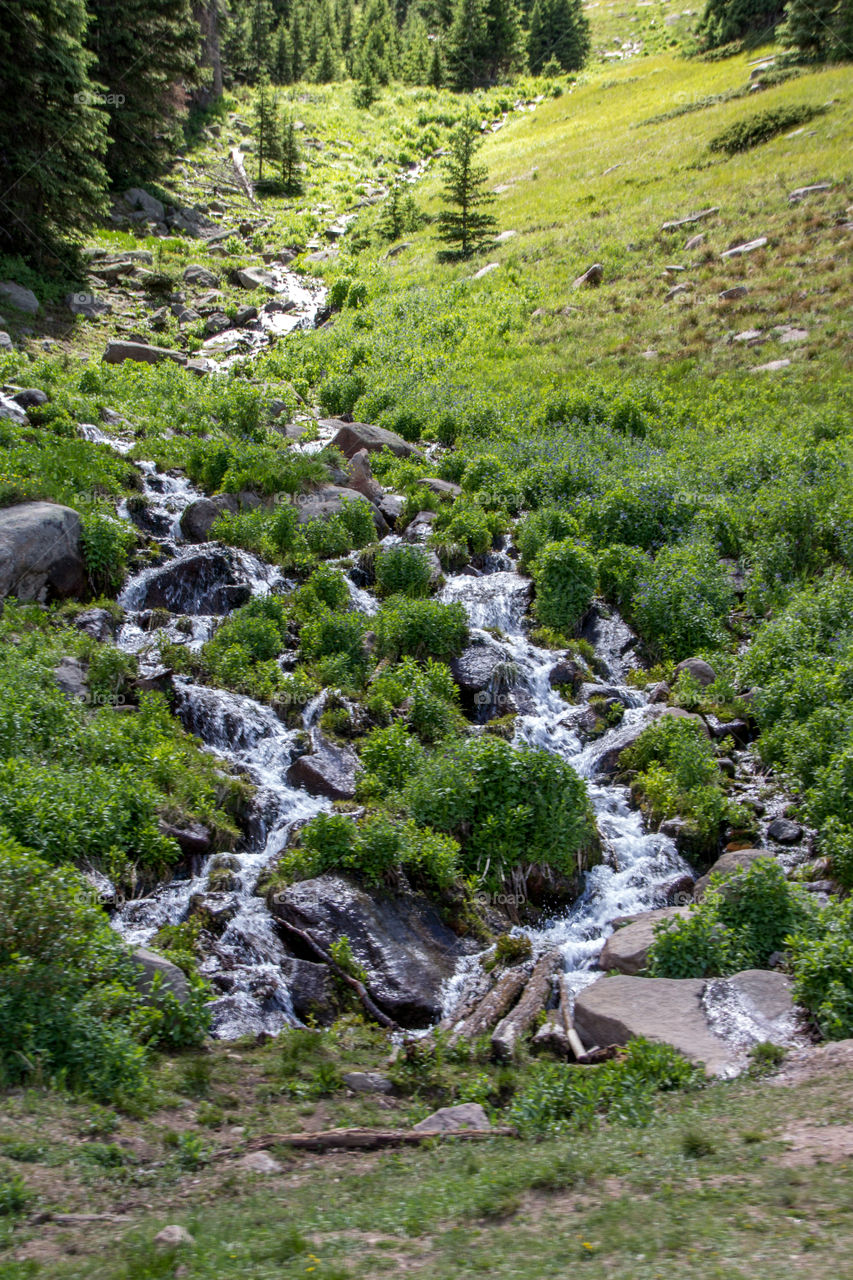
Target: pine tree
[
  {"x": 283, "y": 60},
  {"x": 503, "y": 36},
  {"x": 261, "y": 19},
  {"x": 821, "y": 29},
  {"x": 290, "y": 156},
  {"x": 297, "y": 43},
  {"x": 415, "y": 58},
  {"x": 465, "y": 47},
  {"x": 466, "y": 226},
  {"x": 266, "y": 124},
  {"x": 345, "y": 24},
  {"x": 398, "y": 213},
  {"x": 559, "y": 30},
  {"x": 436, "y": 67},
  {"x": 327, "y": 64},
  {"x": 52, "y": 179},
  {"x": 143, "y": 48},
  {"x": 377, "y": 40},
  {"x": 724, "y": 21}
]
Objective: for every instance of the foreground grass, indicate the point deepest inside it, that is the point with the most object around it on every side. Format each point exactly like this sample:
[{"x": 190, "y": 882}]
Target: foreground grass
[{"x": 709, "y": 1189}]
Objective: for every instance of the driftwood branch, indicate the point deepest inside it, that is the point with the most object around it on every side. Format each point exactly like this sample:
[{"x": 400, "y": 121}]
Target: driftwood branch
[
  {"x": 492, "y": 1007},
  {"x": 242, "y": 176},
  {"x": 366, "y": 1139},
  {"x": 511, "y": 1028},
  {"x": 370, "y": 1005}
]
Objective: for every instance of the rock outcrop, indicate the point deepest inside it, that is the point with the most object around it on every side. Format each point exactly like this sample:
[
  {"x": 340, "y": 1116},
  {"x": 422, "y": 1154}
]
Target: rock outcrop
[{"x": 41, "y": 556}]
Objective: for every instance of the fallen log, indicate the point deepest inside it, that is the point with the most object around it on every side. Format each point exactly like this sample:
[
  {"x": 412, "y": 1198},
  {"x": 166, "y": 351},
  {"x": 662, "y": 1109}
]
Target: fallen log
[
  {"x": 363, "y": 1139},
  {"x": 242, "y": 176},
  {"x": 572, "y": 1036},
  {"x": 552, "y": 1038},
  {"x": 492, "y": 1007},
  {"x": 508, "y": 1032}
]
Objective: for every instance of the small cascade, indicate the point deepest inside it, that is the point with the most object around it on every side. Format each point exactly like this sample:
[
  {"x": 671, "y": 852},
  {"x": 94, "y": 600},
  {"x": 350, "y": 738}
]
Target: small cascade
[{"x": 639, "y": 866}]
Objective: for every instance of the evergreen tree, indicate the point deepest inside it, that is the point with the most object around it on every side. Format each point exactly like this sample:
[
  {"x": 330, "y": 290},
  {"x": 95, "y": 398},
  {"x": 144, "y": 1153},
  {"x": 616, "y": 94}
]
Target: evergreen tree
[
  {"x": 283, "y": 60},
  {"x": 377, "y": 40},
  {"x": 465, "y": 48},
  {"x": 365, "y": 92},
  {"x": 466, "y": 225},
  {"x": 436, "y": 67},
  {"x": 398, "y": 213},
  {"x": 559, "y": 30},
  {"x": 724, "y": 21},
  {"x": 327, "y": 64},
  {"x": 297, "y": 43},
  {"x": 345, "y": 24},
  {"x": 821, "y": 29},
  {"x": 142, "y": 48},
  {"x": 260, "y": 42},
  {"x": 52, "y": 179},
  {"x": 503, "y": 36},
  {"x": 266, "y": 124},
  {"x": 415, "y": 57},
  {"x": 290, "y": 156}
]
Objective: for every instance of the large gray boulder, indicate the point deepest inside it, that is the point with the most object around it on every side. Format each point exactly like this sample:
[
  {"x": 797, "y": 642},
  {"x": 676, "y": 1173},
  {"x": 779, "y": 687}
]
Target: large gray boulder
[
  {"x": 627, "y": 949},
  {"x": 327, "y": 771},
  {"x": 140, "y": 200},
  {"x": 204, "y": 581},
  {"x": 349, "y": 437},
  {"x": 465, "y": 1115},
  {"x": 199, "y": 516},
  {"x": 41, "y": 556},
  {"x": 330, "y": 501},
  {"x": 714, "y": 1021},
  {"x": 256, "y": 278},
  {"x": 117, "y": 352},
  {"x": 702, "y": 672},
  {"x": 199, "y": 275},
  {"x": 399, "y": 939}
]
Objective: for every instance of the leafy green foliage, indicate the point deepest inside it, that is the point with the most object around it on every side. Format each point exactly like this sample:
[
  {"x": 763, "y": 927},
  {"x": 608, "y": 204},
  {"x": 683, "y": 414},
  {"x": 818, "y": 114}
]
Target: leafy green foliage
[
  {"x": 739, "y": 924},
  {"x": 375, "y": 849},
  {"x": 403, "y": 570},
  {"x": 420, "y": 629},
  {"x": 680, "y": 604},
  {"x": 242, "y": 654},
  {"x": 106, "y": 543},
  {"x": 822, "y": 961},
  {"x": 466, "y": 225},
  {"x": 565, "y": 578},
  {"x": 70, "y": 1008},
  {"x": 559, "y": 1097},
  {"x": 677, "y": 776}
]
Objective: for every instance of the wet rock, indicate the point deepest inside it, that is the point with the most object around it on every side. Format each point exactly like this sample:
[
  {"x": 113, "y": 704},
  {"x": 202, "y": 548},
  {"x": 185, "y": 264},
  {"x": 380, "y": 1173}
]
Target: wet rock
[
  {"x": 205, "y": 581},
  {"x": 195, "y": 839},
  {"x": 97, "y": 623},
  {"x": 18, "y": 297},
  {"x": 784, "y": 831},
  {"x": 215, "y": 910},
  {"x": 726, "y": 865},
  {"x": 659, "y": 693},
  {"x": 391, "y": 506},
  {"x": 467, "y": 1115},
  {"x": 399, "y": 939},
  {"x": 726, "y": 766},
  {"x": 739, "y": 730},
  {"x": 312, "y": 990},
  {"x": 152, "y": 965},
  {"x": 330, "y": 500},
  {"x": 41, "y": 556},
  {"x": 199, "y": 516},
  {"x": 566, "y": 674},
  {"x": 690, "y": 1014},
  {"x": 70, "y": 676},
  {"x": 607, "y": 763},
  {"x": 351, "y": 436},
  {"x": 117, "y": 352},
  {"x": 367, "y": 1082},
  {"x": 627, "y": 950},
  {"x": 327, "y": 771},
  {"x": 419, "y": 529},
  {"x": 10, "y": 409}
]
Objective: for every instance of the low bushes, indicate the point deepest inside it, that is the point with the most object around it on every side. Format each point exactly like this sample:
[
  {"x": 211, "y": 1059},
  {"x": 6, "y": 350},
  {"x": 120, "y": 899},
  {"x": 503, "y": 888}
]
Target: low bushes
[
  {"x": 420, "y": 629},
  {"x": 375, "y": 848},
  {"x": 680, "y": 604},
  {"x": 761, "y": 126},
  {"x": 70, "y": 1010},
  {"x": 403, "y": 570},
  {"x": 565, "y": 578}
]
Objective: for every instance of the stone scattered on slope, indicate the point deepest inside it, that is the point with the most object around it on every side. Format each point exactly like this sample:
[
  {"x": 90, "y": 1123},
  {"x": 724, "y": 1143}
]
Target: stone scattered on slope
[
  {"x": 330, "y": 500},
  {"x": 689, "y": 220},
  {"x": 726, "y": 865},
  {"x": 713, "y": 1021},
  {"x": 172, "y": 1237},
  {"x": 731, "y": 295},
  {"x": 256, "y": 278},
  {"x": 772, "y": 366},
  {"x": 784, "y": 831},
  {"x": 201, "y": 276},
  {"x": 740, "y": 250},
  {"x": 88, "y": 305},
  {"x": 591, "y": 278},
  {"x": 367, "y": 1082},
  {"x": 441, "y": 488},
  {"x": 627, "y": 949},
  {"x": 260, "y": 1162},
  {"x": 801, "y": 193},
  {"x": 486, "y": 270},
  {"x": 117, "y": 352},
  {"x": 701, "y": 671},
  {"x": 466, "y": 1115},
  {"x": 400, "y": 940},
  {"x": 199, "y": 516},
  {"x": 41, "y": 556},
  {"x": 695, "y": 242},
  {"x": 18, "y": 297},
  {"x": 349, "y": 437},
  {"x": 152, "y": 966}
]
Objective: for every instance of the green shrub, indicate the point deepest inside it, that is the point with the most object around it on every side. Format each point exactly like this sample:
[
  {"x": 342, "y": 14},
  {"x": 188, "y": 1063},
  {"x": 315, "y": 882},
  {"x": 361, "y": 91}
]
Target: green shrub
[
  {"x": 242, "y": 653},
  {"x": 374, "y": 849},
  {"x": 565, "y": 578},
  {"x": 403, "y": 570},
  {"x": 680, "y": 605},
  {"x": 822, "y": 961},
  {"x": 538, "y": 528},
  {"x": 420, "y": 629},
  {"x": 389, "y": 756},
  {"x": 741, "y": 921},
  {"x": 761, "y": 126},
  {"x": 619, "y": 570},
  {"x": 70, "y": 1010},
  {"x": 106, "y": 543},
  {"x": 560, "y": 1098}
]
